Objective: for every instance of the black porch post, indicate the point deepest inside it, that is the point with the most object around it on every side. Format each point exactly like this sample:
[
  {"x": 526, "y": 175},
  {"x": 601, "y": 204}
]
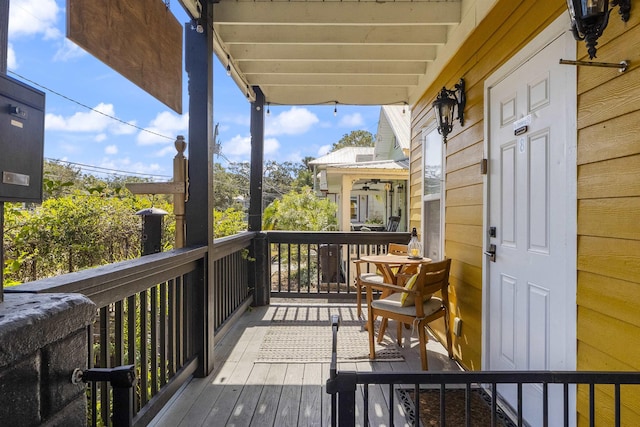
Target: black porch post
[
  {"x": 199, "y": 207},
  {"x": 257, "y": 160},
  {"x": 260, "y": 250},
  {"x": 4, "y": 47}
]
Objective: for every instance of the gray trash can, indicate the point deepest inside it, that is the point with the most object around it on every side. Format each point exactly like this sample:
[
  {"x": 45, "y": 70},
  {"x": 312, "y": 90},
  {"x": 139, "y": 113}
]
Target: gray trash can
[{"x": 330, "y": 263}]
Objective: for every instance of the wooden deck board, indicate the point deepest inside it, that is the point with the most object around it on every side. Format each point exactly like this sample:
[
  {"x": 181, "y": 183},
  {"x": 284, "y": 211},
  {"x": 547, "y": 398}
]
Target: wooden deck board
[
  {"x": 265, "y": 413},
  {"x": 311, "y": 399},
  {"x": 289, "y": 404},
  {"x": 241, "y": 392},
  {"x": 247, "y": 402}
]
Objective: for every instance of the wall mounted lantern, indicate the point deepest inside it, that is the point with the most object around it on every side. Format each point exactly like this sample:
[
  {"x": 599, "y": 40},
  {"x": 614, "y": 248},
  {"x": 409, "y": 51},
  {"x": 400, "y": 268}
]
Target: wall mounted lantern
[
  {"x": 445, "y": 106},
  {"x": 589, "y": 18}
]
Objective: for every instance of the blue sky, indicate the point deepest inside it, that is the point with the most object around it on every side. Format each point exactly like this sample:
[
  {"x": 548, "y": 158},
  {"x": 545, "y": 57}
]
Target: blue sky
[{"x": 40, "y": 52}]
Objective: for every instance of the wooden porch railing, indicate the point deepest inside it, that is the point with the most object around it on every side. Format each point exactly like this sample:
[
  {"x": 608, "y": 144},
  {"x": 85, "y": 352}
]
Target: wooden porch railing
[
  {"x": 150, "y": 314},
  {"x": 319, "y": 264}
]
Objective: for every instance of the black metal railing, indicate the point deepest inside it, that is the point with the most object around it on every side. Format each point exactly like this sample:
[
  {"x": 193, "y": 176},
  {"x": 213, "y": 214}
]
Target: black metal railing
[
  {"x": 149, "y": 315},
  {"x": 232, "y": 291},
  {"x": 351, "y": 390},
  {"x": 319, "y": 264}
]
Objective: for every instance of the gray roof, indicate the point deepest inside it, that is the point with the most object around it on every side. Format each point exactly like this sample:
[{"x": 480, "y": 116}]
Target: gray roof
[
  {"x": 343, "y": 155},
  {"x": 378, "y": 164},
  {"x": 399, "y": 122}
]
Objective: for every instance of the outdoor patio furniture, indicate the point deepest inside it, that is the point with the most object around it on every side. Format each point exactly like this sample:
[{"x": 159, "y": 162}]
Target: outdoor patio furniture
[
  {"x": 377, "y": 276},
  {"x": 424, "y": 308}
]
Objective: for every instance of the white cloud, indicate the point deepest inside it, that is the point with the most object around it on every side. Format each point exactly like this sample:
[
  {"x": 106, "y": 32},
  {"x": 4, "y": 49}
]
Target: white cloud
[
  {"x": 68, "y": 50},
  {"x": 351, "y": 120},
  {"x": 167, "y": 124},
  {"x": 238, "y": 146},
  {"x": 111, "y": 149},
  {"x": 271, "y": 145},
  {"x": 168, "y": 150},
  {"x": 295, "y": 121},
  {"x": 33, "y": 17},
  {"x": 90, "y": 121},
  {"x": 127, "y": 165},
  {"x": 324, "y": 150},
  {"x": 12, "y": 63},
  {"x": 100, "y": 137}
]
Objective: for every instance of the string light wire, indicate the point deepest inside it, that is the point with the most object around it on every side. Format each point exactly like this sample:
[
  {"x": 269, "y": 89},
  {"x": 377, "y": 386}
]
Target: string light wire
[{"x": 90, "y": 108}]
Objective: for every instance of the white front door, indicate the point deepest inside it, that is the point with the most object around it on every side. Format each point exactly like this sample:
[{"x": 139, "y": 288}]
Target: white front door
[{"x": 531, "y": 311}]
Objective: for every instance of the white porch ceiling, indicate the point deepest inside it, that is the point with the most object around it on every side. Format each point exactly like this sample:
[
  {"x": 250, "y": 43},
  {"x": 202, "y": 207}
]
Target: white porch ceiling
[{"x": 322, "y": 52}]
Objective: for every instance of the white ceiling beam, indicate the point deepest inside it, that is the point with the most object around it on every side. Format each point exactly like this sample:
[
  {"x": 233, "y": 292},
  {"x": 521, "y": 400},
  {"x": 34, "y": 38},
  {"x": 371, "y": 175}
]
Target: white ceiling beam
[
  {"x": 332, "y": 80},
  {"x": 249, "y": 52},
  {"x": 332, "y": 67},
  {"x": 331, "y": 34},
  {"x": 337, "y": 13},
  {"x": 317, "y": 95}
]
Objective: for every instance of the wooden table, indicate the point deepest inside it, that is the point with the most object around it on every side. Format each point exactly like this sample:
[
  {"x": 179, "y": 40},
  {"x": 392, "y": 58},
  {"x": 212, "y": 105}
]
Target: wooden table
[{"x": 387, "y": 263}]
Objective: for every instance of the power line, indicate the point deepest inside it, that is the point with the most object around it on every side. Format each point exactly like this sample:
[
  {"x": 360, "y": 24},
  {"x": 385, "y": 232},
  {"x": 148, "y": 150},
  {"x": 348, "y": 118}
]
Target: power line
[
  {"x": 106, "y": 170},
  {"x": 90, "y": 108}
]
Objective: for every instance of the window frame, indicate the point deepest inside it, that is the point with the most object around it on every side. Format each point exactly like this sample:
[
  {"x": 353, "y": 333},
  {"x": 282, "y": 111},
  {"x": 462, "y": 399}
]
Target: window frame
[{"x": 430, "y": 132}]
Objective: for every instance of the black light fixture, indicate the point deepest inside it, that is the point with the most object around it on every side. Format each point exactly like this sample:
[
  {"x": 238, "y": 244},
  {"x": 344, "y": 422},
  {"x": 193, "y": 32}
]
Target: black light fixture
[
  {"x": 589, "y": 18},
  {"x": 445, "y": 105}
]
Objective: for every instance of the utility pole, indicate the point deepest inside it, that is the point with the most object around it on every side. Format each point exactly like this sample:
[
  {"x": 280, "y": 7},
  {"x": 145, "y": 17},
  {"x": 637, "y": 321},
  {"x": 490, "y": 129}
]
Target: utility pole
[{"x": 4, "y": 49}]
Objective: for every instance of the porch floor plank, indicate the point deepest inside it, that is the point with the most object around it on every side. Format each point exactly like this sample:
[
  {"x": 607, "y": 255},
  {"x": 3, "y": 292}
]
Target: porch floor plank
[
  {"x": 265, "y": 413},
  {"x": 240, "y": 392},
  {"x": 311, "y": 399}
]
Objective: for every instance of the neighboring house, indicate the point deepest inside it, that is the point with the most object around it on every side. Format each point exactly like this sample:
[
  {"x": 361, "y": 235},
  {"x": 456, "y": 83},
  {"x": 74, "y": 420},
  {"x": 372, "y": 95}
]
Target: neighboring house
[
  {"x": 559, "y": 201},
  {"x": 374, "y": 179}
]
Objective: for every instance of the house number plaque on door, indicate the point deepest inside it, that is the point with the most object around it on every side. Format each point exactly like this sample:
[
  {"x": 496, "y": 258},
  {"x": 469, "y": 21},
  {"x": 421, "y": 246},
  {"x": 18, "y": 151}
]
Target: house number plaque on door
[{"x": 521, "y": 126}]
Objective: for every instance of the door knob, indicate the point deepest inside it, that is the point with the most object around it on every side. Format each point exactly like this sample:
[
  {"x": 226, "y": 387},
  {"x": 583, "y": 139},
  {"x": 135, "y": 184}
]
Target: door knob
[{"x": 491, "y": 253}]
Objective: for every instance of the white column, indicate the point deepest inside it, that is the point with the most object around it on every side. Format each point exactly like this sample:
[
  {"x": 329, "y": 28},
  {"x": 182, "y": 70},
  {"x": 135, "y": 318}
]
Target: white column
[{"x": 344, "y": 217}]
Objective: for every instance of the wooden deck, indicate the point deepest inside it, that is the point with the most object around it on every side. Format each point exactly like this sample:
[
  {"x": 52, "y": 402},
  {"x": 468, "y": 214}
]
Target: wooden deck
[{"x": 241, "y": 392}]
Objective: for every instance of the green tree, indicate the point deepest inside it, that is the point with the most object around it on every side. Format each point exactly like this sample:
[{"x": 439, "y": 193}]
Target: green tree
[
  {"x": 300, "y": 211},
  {"x": 227, "y": 188},
  {"x": 356, "y": 138},
  {"x": 304, "y": 177},
  {"x": 228, "y": 222}
]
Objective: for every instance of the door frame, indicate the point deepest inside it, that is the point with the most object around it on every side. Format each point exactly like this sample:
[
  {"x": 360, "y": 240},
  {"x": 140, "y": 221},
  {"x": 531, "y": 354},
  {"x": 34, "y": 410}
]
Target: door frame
[{"x": 557, "y": 29}]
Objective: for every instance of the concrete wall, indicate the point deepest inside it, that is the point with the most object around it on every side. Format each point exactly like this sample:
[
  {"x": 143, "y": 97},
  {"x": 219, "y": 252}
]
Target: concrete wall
[{"x": 43, "y": 338}]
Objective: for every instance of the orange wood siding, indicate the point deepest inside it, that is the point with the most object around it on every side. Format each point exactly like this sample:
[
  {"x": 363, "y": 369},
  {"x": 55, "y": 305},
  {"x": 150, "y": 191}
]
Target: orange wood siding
[
  {"x": 609, "y": 217},
  {"x": 507, "y": 28}
]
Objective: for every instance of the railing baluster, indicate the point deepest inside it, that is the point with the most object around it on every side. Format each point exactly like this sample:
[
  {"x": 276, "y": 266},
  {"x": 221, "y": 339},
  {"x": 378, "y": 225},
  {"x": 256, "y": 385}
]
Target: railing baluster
[
  {"x": 545, "y": 404},
  {"x": 289, "y": 268},
  {"x": 616, "y": 393},
  {"x": 416, "y": 405},
  {"x": 565, "y": 392},
  {"x": 467, "y": 405},
  {"x": 299, "y": 275},
  {"x": 172, "y": 320},
  {"x": 144, "y": 349},
  {"x": 93, "y": 402},
  {"x": 520, "y": 415},
  {"x": 366, "y": 404},
  {"x": 592, "y": 405},
  {"x": 154, "y": 341},
  {"x": 118, "y": 331},
  {"x": 391, "y": 405},
  {"x": 308, "y": 268},
  {"x": 163, "y": 334},
  {"x": 318, "y": 273},
  {"x": 494, "y": 400},
  {"x": 279, "y": 267},
  {"x": 179, "y": 336},
  {"x": 443, "y": 419},
  {"x": 103, "y": 362}
]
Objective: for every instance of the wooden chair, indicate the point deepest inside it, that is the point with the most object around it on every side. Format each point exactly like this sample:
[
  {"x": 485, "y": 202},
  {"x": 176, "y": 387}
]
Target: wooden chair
[
  {"x": 392, "y": 223},
  {"x": 431, "y": 278},
  {"x": 392, "y": 249}
]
